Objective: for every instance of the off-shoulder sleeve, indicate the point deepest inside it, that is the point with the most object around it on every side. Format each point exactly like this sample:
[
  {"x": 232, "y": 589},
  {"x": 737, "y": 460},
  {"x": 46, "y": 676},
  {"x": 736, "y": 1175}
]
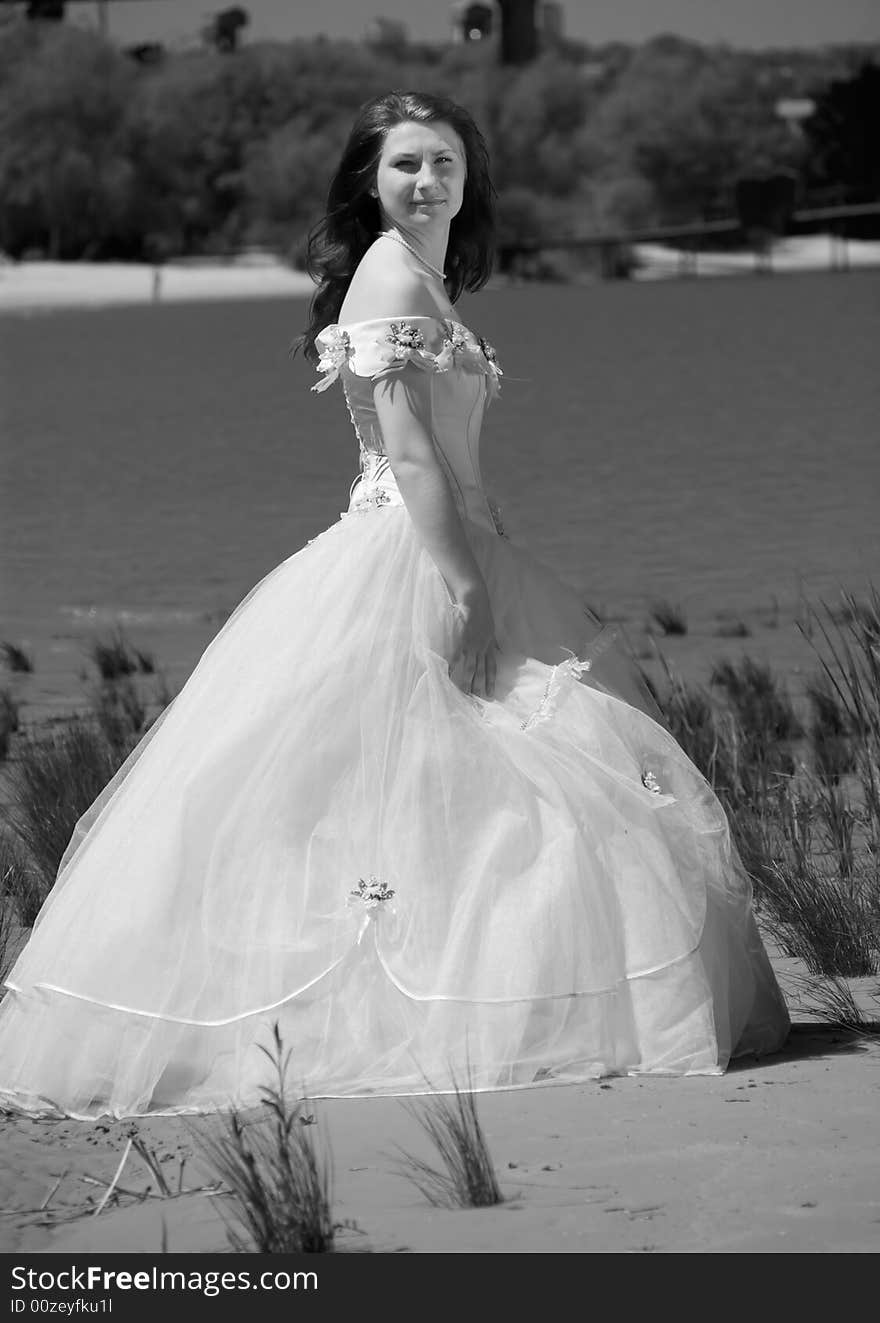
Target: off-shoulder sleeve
[
  {"x": 370, "y": 349},
  {"x": 386, "y": 344}
]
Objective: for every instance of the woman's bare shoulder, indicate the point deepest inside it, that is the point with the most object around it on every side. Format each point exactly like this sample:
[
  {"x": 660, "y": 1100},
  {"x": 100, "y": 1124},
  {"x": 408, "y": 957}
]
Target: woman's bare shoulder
[{"x": 385, "y": 285}]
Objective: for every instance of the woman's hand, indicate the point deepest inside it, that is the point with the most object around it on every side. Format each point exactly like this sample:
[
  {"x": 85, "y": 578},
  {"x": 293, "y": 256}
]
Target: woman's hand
[
  {"x": 403, "y": 407},
  {"x": 473, "y": 663}
]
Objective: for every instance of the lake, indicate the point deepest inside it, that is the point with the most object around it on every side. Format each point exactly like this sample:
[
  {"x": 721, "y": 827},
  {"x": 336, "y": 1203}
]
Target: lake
[{"x": 711, "y": 442}]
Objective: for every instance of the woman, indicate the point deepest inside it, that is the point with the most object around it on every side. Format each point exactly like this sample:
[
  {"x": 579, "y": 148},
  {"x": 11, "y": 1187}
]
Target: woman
[{"x": 410, "y": 803}]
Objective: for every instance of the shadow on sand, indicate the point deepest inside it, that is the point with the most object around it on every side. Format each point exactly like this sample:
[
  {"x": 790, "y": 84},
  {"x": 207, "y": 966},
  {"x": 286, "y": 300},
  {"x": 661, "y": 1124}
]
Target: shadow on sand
[{"x": 808, "y": 1040}]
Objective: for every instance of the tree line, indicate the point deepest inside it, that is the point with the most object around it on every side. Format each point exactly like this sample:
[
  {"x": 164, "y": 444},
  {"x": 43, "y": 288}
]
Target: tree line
[{"x": 105, "y": 156}]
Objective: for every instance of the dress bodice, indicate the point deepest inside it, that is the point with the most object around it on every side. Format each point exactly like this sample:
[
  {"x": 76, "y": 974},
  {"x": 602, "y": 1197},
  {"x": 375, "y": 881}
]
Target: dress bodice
[{"x": 463, "y": 375}]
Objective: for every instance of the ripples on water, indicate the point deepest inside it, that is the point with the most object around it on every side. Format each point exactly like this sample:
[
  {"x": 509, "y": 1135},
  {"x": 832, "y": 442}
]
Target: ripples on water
[{"x": 713, "y": 442}]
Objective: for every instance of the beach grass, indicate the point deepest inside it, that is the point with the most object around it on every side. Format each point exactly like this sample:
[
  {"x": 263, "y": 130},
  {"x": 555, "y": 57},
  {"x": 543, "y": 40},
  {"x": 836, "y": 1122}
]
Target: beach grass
[
  {"x": 846, "y": 641},
  {"x": 15, "y": 657},
  {"x": 760, "y": 700},
  {"x": 9, "y": 720},
  {"x": 802, "y": 795},
  {"x": 120, "y": 713},
  {"x": 669, "y": 618},
  {"x": 116, "y": 657},
  {"x": 11, "y": 875},
  {"x": 21, "y": 885},
  {"x": 831, "y": 1001},
  {"x": 465, "y": 1176},
  {"x": 829, "y": 730},
  {"x": 54, "y": 774},
  {"x": 278, "y": 1176}
]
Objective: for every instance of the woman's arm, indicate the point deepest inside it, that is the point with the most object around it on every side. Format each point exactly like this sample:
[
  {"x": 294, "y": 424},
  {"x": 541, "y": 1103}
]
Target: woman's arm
[{"x": 402, "y": 400}]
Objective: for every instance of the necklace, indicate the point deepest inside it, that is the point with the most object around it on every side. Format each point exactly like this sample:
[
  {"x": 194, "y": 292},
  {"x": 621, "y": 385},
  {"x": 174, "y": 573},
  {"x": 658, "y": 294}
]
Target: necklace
[{"x": 392, "y": 234}]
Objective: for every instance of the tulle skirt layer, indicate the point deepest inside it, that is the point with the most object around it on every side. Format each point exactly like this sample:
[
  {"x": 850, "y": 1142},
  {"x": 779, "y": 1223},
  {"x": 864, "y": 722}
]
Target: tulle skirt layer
[{"x": 322, "y": 831}]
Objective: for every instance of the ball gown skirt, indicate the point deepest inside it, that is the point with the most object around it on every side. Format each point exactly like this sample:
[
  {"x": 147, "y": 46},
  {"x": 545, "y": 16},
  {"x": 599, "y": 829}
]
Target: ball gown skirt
[{"x": 321, "y": 830}]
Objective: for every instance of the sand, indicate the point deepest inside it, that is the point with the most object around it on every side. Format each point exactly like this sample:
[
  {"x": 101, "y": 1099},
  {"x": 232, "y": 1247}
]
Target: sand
[{"x": 777, "y": 1155}]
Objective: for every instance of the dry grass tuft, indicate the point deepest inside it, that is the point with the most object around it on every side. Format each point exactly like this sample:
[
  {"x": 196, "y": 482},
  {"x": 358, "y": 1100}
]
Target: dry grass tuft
[
  {"x": 56, "y": 777},
  {"x": 803, "y": 800},
  {"x": 669, "y": 617},
  {"x": 16, "y": 658},
  {"x": 281, "y": 1186},
  {"x": 467, "y": 1176},
  {"x": 21, "y": 896},
  {"x": 8, "y": 919},
  {"x": 9, "y": 720},
  {"x": 115, "y": 657},
  {"x": 832, "y": 1002},
  {"x": 120, "y": 714}
]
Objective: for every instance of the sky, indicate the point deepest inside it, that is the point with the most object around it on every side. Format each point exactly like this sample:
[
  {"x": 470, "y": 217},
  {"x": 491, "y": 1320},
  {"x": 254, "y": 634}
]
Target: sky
[{"x": 749, "y": 23}]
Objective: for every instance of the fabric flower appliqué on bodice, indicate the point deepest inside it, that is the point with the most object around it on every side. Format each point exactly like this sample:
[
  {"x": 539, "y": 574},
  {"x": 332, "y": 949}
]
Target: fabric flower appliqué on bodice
[
  {"x": 336, "y": 351},
  {"x": 461, "y": 348},
  {"x": 456, "y": 342},
  {"x": 403, "y": 342}
]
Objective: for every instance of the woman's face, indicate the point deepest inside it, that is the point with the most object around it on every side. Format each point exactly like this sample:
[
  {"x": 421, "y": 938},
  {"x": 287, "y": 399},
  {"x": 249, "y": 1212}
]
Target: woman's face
[{"x": 420, "y": 176}]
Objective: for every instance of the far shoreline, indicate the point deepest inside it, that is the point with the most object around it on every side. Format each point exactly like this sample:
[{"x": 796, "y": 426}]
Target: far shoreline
[
  {"x": 35, "y": 286},
  {"x": 31, "y": 286}
]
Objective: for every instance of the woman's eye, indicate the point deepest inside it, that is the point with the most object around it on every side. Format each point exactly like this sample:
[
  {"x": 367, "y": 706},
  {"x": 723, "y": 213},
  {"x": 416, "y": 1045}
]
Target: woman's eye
[{"x": 411, "y": 165}]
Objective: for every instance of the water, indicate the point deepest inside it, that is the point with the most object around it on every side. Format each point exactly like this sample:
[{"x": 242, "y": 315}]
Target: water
[{"x": 713, "y": 442}]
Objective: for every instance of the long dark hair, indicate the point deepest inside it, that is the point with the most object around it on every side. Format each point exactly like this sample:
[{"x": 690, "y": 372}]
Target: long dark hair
[{"x": 352, "y": 220}]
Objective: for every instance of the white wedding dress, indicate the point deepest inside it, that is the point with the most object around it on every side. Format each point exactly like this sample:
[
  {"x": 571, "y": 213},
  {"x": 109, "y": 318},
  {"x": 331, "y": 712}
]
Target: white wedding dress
[{"x": 322, "y": 830}]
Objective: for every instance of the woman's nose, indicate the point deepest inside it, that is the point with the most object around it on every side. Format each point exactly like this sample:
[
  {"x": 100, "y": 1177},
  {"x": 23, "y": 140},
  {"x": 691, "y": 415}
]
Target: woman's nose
[{"x": 426, "y": 177}]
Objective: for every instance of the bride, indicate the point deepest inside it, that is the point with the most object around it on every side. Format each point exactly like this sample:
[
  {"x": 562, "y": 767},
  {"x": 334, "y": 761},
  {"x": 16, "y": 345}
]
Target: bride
[{"x": 412, "y": 803}]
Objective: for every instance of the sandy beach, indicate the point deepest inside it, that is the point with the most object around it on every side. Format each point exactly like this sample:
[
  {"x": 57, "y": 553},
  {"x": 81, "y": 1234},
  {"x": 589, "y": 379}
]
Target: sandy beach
[{"x": 777, "y": 1156}]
